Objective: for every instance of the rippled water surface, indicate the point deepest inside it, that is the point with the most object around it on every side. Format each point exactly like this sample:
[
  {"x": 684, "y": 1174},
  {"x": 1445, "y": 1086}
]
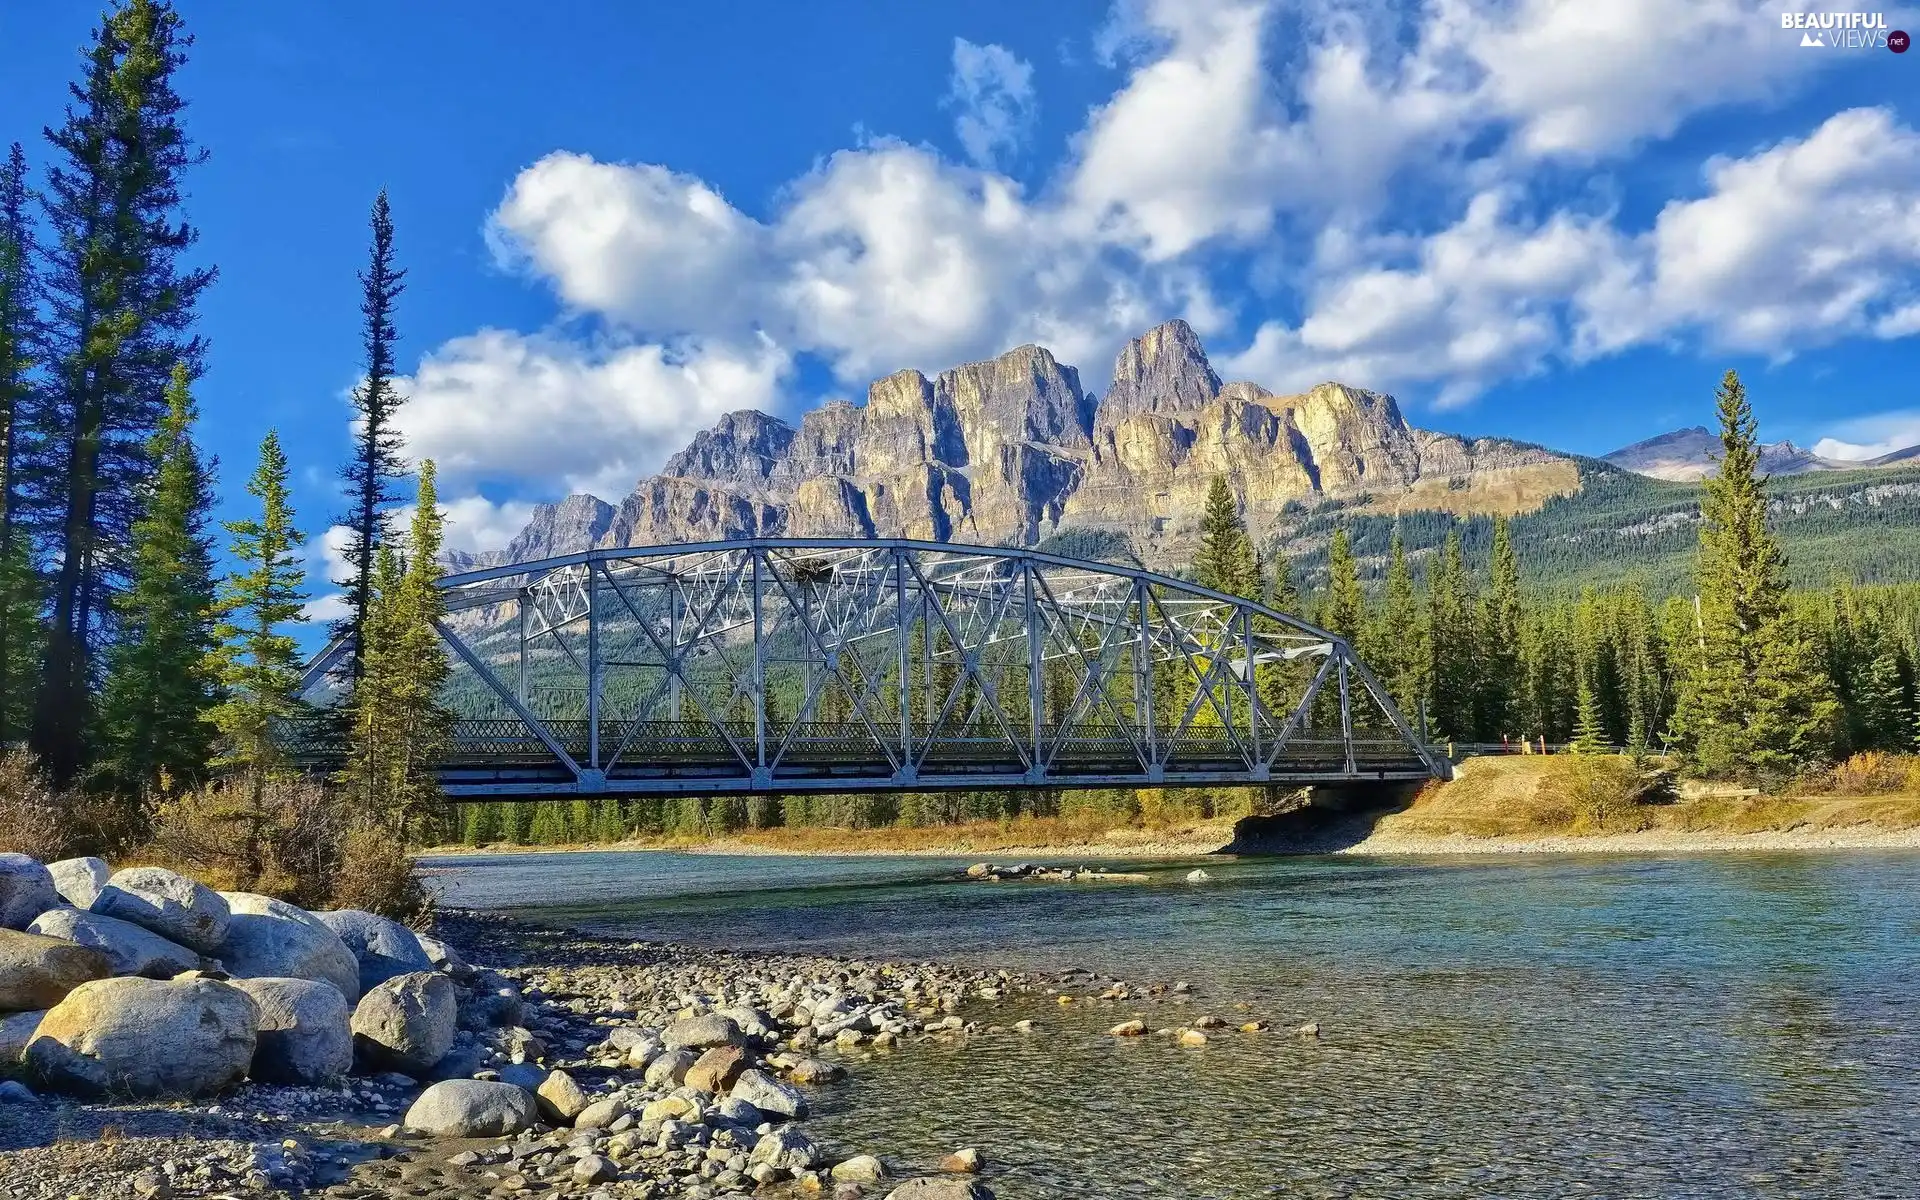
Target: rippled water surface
[{"x": 1515, "y": 1027}]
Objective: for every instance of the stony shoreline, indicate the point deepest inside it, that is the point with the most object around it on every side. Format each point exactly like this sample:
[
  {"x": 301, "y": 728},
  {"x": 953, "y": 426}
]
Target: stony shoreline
[
  {"x": 635, "y": 1069},
  {"x": 1334, "y": 840}
]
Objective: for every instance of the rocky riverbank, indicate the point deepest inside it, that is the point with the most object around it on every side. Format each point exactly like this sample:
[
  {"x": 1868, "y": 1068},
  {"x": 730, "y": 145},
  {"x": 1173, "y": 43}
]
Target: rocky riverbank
[{"x": 340, "y": 1054}]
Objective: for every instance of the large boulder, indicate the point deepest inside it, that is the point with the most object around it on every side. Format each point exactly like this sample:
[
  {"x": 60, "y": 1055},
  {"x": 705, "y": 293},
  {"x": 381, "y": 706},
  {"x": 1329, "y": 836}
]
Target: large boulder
[
  {"x": 786, "y": 1148},
  {"x": 471, "y": 1108},
  {"x": 305, "y": 1035},
  {"x": 79, "y": 880},
  {"x": 38, "y": 972},
  {"x": 16, "y": 1031},
  {"x": 444, "y": 958},
  {"x": 717, "y": 1069},
  {"x": 26, "y": 890},
  {"x": 669, "y": 1068},
  {"x": 561, "y": 1098},
  {"x": 703, "y": 1033},
  {"x": 169, "y": 904},
  {"x": 776, "y": 1101},
  {"x": 947, "y": 1187},
  {"x": 146, "y": 1037},
  {"x": 271, "y": 939},
  {"x": 382, "y": 948},
  {"x": 405, "y": 1023},
  {"x": 130, "y": 950}
]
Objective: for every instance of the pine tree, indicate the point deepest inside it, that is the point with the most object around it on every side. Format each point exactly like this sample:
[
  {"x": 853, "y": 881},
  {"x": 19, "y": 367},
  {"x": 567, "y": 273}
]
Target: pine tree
[
  {"x": 1394, "y": 644},
  {"x": 377, "y": 465},
  {"x": 1755, "y": 700},
  {"x": 160, "y": 686},
  {"x": 19, "y": 331},
  {"x": 400, "y": 727},
  {"x": 1589, "y": 737},
  {"x": 119, "y": 307},
  {"x": 1343, "y": 611},
  {"x": 1450, "y": 641},
  {"x": 1499, "y": 676},
  {"x": 1225, "y": 562},
  {"x": 258, "y": 662}
]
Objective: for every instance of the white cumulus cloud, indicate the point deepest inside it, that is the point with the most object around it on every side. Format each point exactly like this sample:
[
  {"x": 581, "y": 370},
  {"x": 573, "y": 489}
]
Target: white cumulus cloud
[{"x": 992, "y": 90}]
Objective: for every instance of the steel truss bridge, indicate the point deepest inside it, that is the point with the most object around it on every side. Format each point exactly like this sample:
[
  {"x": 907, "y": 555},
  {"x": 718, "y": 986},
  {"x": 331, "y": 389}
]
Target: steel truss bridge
[{"x": 812, "y": 665}]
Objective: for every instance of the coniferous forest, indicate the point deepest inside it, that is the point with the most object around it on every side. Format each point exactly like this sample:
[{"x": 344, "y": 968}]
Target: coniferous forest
[{"x": 147, "y": 655}]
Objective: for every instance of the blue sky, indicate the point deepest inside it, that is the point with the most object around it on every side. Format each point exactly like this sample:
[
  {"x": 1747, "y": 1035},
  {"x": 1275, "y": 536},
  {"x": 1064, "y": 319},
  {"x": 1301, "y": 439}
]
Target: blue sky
[{"x": 1547, "y": 219}]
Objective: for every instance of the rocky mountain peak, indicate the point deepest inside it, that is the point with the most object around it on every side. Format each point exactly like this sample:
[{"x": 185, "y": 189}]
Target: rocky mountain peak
[
  {"x": 1165, "y": 369},
  {"x": 743, "y": 447}
]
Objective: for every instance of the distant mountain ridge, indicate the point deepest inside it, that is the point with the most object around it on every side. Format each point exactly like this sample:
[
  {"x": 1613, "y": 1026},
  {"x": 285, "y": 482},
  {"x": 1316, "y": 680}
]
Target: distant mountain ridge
[
  {"x": 1012, "y": 450},
  {"x": 1687, "y": 455}
]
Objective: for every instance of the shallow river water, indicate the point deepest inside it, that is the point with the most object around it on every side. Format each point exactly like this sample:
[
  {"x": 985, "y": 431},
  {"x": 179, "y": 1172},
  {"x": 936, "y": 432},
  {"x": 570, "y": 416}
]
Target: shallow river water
[{"x": 1546, "y": 1026}]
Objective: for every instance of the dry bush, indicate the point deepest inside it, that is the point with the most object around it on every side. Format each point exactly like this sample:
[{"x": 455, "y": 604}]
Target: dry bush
[
  {"x": 32, "y": 815},
  {"x": 1872, "y": 773},
  {"x": 1606, "y": 794},
  {"x": 278, "y": 835},
  {"x": 376, "y": 875}
]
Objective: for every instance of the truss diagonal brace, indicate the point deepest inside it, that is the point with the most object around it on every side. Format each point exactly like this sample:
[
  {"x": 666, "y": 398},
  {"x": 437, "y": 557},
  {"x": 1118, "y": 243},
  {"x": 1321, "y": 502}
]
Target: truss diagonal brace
[{"x": 485, "y": 672}]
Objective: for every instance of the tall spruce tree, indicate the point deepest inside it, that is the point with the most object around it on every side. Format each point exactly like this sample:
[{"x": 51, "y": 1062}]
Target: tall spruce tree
[
  {"x": 1450, "y": 640},
  {"x": 1225, "y": 562},
  {"x": 160, "y": 687},
  {"x": 258, "y": 660},
  {"x": 19, "y": 332},
  {"x": 1393, "y": 644},
  {"x": 400, "y": 728},
  {"x": 1344, "y": 608},
  {"x": 377, "y": 467},
  {"x": 1499, "y": 678},
  {"x": 1755, "y": 700},
  {"x": 119, "y": 309}
]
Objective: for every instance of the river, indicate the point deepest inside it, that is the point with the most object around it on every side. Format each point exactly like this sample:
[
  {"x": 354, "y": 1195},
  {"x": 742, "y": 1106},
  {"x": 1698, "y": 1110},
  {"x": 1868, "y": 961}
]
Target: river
[{"x": 1540, "y": 1026}]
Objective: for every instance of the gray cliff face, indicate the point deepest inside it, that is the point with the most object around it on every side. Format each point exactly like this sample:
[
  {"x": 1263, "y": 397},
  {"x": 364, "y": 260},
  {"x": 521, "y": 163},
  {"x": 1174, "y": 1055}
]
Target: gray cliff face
[{"x": 1012, "y": 449}]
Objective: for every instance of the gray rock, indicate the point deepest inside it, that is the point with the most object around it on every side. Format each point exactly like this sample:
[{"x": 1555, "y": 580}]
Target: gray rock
[
  {"x": 786, "y": 1148},
  {"x": 461, "y": 1062},
  {"x": 169, "y": 904},
  {"x": 779, "y": 1101},
  {"x": 26, "y": 890},
  {"x": 146, "y": 1037},
  {"x": 560, "y": 1098},
  {"x": 304, "y": 1035},
  {"x": 601, "y": 1113},
  {"x": 525, "y": 1075},
  {"x": 271, "y": 939},
  {"x": 130, "y": 950},
  {"x": 1198, "y": 875},
  {"x": 670, "y": 1068},
  {"x": 752, "y": 1022},
  {"x": 594, "y": 1169},
  {"x": 703, "y": 1033},
  {"x": 738, "y": 1111},
  {"x": 38, "y": 972},
  {"x": 861, "y": 1168},
  {"x": 942, "y": 1187},
  {"x": 382, "y": 948},
  {"x": 493, "y": 1010},
  {"x": 79, "y": 880},
  {"x": 12, "y": 1091},
  {"x": 16, "y": 1031},
  {"x": 444, "y": 958},
  {"x": 405, "y": 1023},
  {"x": 470, "y": 1108}
]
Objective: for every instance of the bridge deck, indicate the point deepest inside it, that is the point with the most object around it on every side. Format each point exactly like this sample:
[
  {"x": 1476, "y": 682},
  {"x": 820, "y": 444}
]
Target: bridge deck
[{"x": 496, "y": 758}]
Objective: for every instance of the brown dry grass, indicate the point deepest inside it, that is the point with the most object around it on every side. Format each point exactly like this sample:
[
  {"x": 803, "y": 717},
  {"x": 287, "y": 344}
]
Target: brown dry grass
[
  {"x": 1524, "y": 796},
  {"x": 1507, "y": 492}
]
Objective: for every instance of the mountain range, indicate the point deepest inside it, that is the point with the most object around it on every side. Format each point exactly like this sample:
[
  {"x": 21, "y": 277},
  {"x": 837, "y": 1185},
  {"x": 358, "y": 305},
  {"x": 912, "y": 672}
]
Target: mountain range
[
  {"x": 1691, "y": 454},
  {"x": 1014, "y": 451}
]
